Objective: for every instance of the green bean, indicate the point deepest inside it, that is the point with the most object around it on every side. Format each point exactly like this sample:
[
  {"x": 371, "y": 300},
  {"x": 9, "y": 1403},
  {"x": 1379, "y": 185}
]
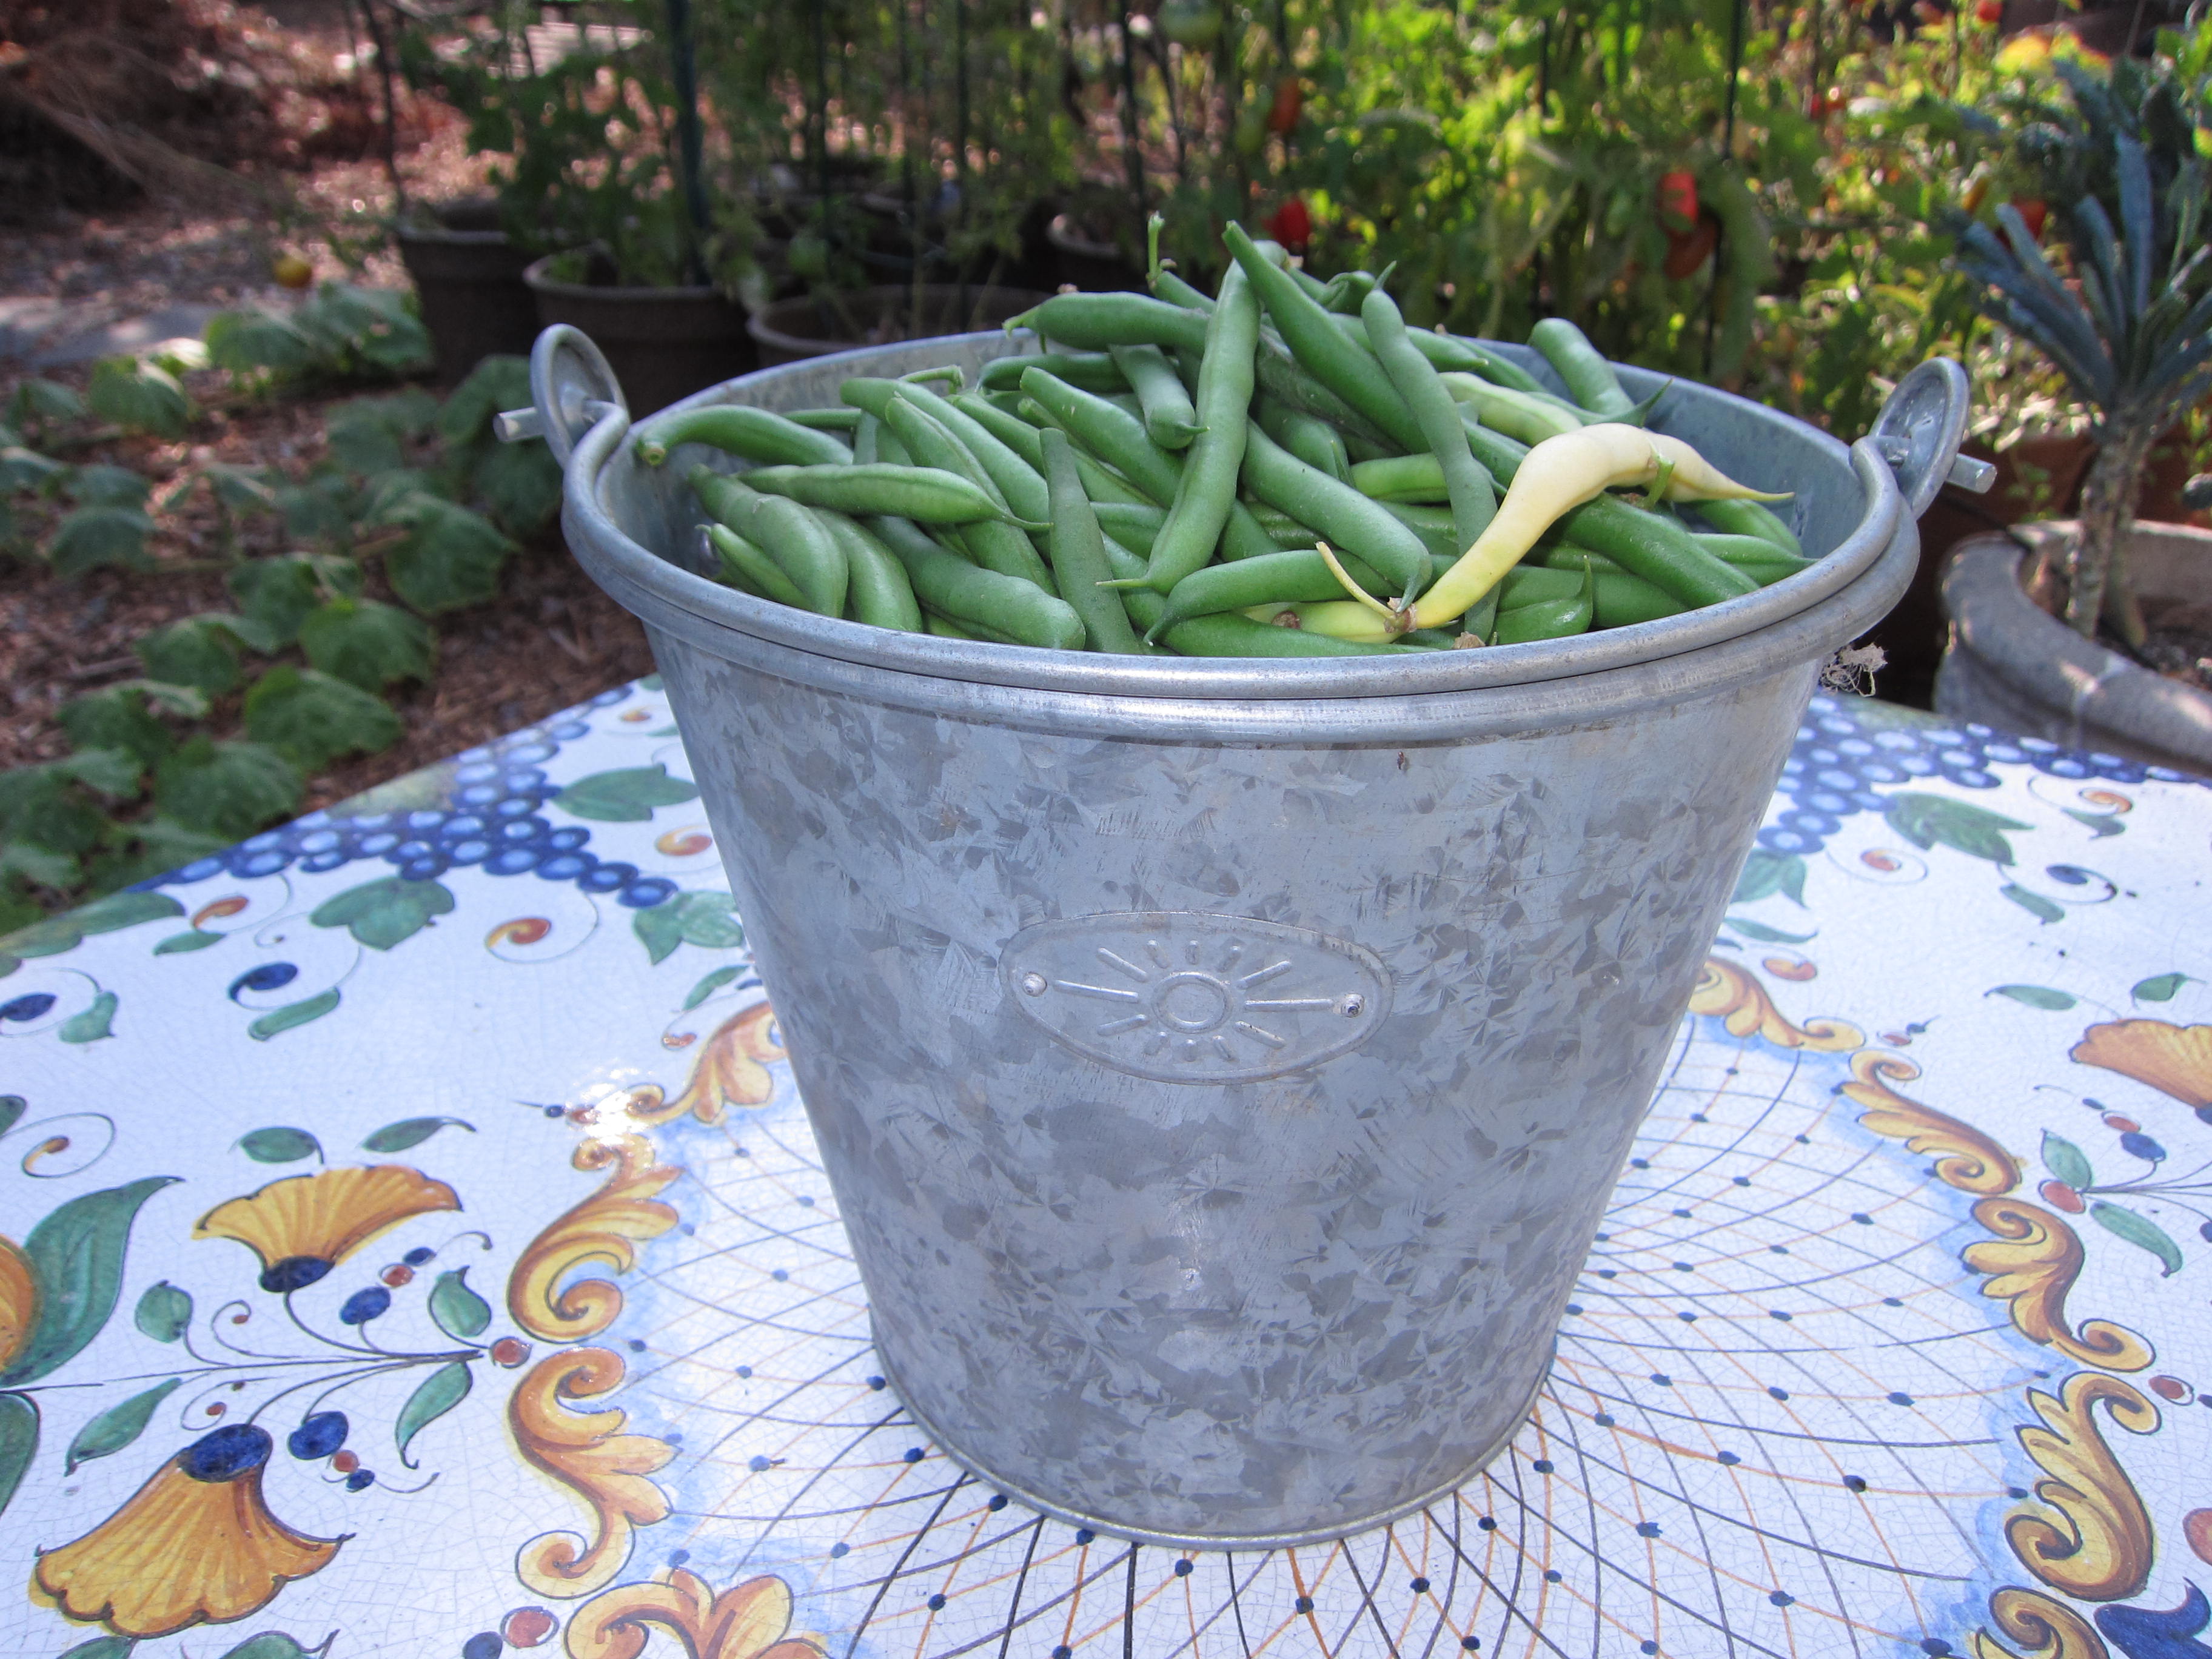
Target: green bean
[
  {"x": 1079, "y": 553},
  {"x": 1589, "y": 379},
  {"x": 1309, "y": 437},
  {"x": 1528, "y": 417},
  {"x": 1220, "y": 635},
  {"x": 1321, "y": 349},
  {"x": 748, "y": 567},
  {"x": 1402, "y": 478},
  {"x": 1171, "y": 420},
  {"x": 1350, "y": 522},
  {"x": 1456, "y": 353},
  {"x": 1525, "y": 584},
  {"x": 889, "y": 451},
  {"x": 927, "y": 494},
  {"x": 1750, "y": 519},
  {"x": 1100, "y": 482},
  {"x": 1092, "y": 322},
  {"x": 866, "y": 439},
  {"x": 1022, "y": 484},
  {"x": 1433, "y": 524},
  {"x": 1272, "y": 579},
  {"x": 1094, "y": 371},
  {"x": 879, "y": 592},
  {"x": 1285, "y": 532},
  {"x": 1549, "y": 619},
  {"x": 757, "y": 434},
  {"x": 826, "y": 420},
  {"x": 1132, "y": 525},
  {"x": 947, "y": 585},
  {"x": 1757, "y": 557},
  {"x": 802, "y": 545},
  {"x": 1623, "y": 600},
  {"x": 1473, "y": 495},
  {"x": 944, "y": 630},
  {"x": 871, "y": 394},
  {"x": 993, "y": 545},
  {"x": 1205, "y": 494},
  {"x": 1167, "y": 286},
  {"x": 728, "y": 499},
  {"x": 1347, "y": 290}
]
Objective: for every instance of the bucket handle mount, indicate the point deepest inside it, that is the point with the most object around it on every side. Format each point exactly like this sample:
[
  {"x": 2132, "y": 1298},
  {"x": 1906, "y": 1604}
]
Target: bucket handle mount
[
  {"x": 1919, "y": 430},
  {"x": 572, "y": 389}
]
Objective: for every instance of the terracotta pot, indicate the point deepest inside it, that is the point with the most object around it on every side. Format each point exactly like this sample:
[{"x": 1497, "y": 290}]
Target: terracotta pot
[
  {"x": 2011, "y": 665},
  {"x": 792, "y": 330},
  {"x": 663, "y": 343},
  {"x": 468, "y": 279}
]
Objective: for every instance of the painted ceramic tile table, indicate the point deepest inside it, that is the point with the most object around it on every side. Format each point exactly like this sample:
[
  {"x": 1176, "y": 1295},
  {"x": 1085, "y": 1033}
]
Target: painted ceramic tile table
[{"x": 415, "y": 1247}]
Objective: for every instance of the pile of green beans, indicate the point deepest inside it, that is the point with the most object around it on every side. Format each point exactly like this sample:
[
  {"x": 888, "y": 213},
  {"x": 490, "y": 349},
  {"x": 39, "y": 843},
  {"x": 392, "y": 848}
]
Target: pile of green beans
[{"x": 1202, "y": 476}]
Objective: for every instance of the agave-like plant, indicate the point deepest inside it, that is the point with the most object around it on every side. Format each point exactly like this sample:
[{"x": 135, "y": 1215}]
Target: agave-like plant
[{"x": 2127, "y": 320}]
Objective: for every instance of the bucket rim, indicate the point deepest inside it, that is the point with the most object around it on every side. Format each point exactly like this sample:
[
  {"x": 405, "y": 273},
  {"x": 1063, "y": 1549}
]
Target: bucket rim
[{"x": 588, "y": 520}]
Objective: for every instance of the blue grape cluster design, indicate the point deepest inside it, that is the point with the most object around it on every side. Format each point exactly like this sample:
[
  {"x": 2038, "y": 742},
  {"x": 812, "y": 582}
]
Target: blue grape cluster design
[
  {"x": 494, "y": 821},
  {"x": 1836, "y": 762}
]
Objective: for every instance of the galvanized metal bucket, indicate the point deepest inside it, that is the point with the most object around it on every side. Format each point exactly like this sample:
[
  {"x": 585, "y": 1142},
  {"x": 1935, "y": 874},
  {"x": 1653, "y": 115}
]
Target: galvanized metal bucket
[{"x": 1222, "y": 1066}]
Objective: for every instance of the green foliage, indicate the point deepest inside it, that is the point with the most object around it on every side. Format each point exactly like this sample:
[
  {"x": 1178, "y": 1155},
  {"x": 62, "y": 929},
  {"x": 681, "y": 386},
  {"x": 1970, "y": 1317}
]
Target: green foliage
[
  {"x": 279, "y": 594},
  {"x": 368, "y": 643},
  {"x": 200, "y": 652},
  {"x": 340, "y": 333},
  {"x": 449, "y": 556},
  {"x": 92, "y": 537},
  {"x": 139, "y": 397},
  {"x": 312, "y": 718},
  {"x": 226, "y": 789}
]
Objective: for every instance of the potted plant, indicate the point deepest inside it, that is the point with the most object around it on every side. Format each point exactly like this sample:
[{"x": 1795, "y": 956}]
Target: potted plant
[{"x": 2128, "y": 322}]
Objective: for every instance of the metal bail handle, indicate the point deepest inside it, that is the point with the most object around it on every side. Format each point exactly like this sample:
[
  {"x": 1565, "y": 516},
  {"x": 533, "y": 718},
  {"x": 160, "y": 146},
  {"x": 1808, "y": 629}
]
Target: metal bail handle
[
  {"x": 1919, "y": 430},
  {"x": 572, "y": 389}
]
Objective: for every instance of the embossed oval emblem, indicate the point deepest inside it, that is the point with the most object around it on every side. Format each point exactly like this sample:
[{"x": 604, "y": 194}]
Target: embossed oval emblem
[{"x": 1182, "y": 996}]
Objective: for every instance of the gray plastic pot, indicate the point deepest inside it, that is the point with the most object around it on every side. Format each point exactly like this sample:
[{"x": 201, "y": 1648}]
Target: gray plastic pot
[{"x": 1222, "y": 1066}]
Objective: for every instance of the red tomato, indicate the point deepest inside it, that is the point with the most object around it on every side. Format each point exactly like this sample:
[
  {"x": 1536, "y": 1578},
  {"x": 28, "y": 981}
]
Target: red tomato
[
  {"x": 1686, "y": 252},
  {"x": 1289, "y": 104},
  {"x": 2032, "y": 213},
  {"x": 1292, "y": 224},
  {"x": 1678, "y": 201},
  {"x": 1990, "y": 11}
]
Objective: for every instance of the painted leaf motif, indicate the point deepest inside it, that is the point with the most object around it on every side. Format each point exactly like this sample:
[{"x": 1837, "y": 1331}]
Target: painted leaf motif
[
  {"x": 270, "y": 1644},
  {"x": 1925, "y": 820},
  {"x": 1766, "y": 872},
  {"x": 2160, "y": 988},
  {"x": 2035, "y": 996},
  {"x": 2067, "y": 1161},
  {"x": 382, "y": 914},
  {"x": 11, "y": 1108},
  {"x": 103, "y": 1647},
  {"x": 443, "y": 1390},
  {"x": 279, "y": 1146},
  {"x": 628, "y": 796},
  {"x": 458, "y": 1311},
  {"x": 1765, "y": 935},
  {"x": 293, "y": 1013},
  {"x": 707, "y": 919},
  {"x": 94, "y": 1023},
  {"x": 76, "y": 1254},
  {"x": 118, "y": 1426},
  {"x": 707, "y": 987},
  {"x": 411, "y": 1132},
  {"x": 19, "y": 1442},
  {"x": 2034, "y": 903},
  {"x": 67, "y": 931},
  {"x": 164, "y": 1311},
  {"x": 2099, "y": 824},
  {"x": 2138, "y": 1230},
  {"x": 197, "y": 939}
]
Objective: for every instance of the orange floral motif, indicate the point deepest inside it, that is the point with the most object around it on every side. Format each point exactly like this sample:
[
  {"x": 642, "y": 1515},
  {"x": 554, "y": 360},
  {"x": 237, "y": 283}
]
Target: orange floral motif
[
  {"x": 752, "y": 1620},
  {"x": 2099, "y": 1547},
  {"x": 304, "y": 1226},
  {"x": 19, "y": 1300},
  {"x": 1964, "y": 1156},
  {"x": 732, "y": 1070},
  {"x": 603, "y": 1227},
  {"x": 2047, "y": 1629},
  {"x": 588, "y": 1453},
  {"x": 196, "y": 1543},
  {"x": 2032, "y": 1262},
  {"x": 2176, "y": 1060},
  {"x": 1735, "y": 996}
]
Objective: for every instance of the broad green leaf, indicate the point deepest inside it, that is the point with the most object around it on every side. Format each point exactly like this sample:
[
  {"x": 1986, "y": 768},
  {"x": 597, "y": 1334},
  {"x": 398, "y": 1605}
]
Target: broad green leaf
[
  {"x": 1926, "y": 820},
  {"x": 381, "y": 913},
  {"x": 68, "y": 930},
  {"x": 707, "y": 919},
  {"x": 244, "y": 341},
  {"x": 2068, "y": 1162},
  {"x": 314, "y": 719},
  {"x": 411, "y": 1132},
  {"x": 113, "y": 773},
  {"x": 164, "y": 1311},
  {"x": 2099, "y": 824},
  {"x": 92, "y": 1023},
  {"x": 319, "y": 510},
  {"x": 497, "y": 382},
  {"x": 459, "y": 1309},
  {"x": 107, "y": 486},
  {"x": 628, "y": 796},
  {"x": 19, "y": 1442},
  {"x": 2160, "y": 988},
  {"x": 519, "y": 485},
  {"x": 270, "y": 1644},
  {"x": 1765, "y": 872},
  {"x": 117, "y": 1427},
  {"x": 370, "y": 435},
  {"x": 242, "y": 489},
  {"x": 707, "y": 985},
  {"x": 93, "y": 536},
  {"x": 292, "y": 1013},
  {"x": 22, "y": 469},
  {"x": 103, "y": 1647},
  {"x": 139, "y": 398},
  {"x": 278, "y": 593},
  {"x": 195, "y": 939},
  {"x": 77, "y": 1255},
  {"x": 279, "y": 1143},
  {"x": 201, "y": 651},
  {"x": 1764, "y": 934},
  {"x": 2035, "y": 996},
  {"x": 443, "y": 1390},
  {"x": 368, "y": 643},
  {"x": 449, "y": 558},
  {"x": 2140, "y": 1230},
  {"x": 38, "y": 400},
  {"x": 116, "y": 717},
  {"x": 2034, "y": 903},
  {"x": 227, "y": 789}
]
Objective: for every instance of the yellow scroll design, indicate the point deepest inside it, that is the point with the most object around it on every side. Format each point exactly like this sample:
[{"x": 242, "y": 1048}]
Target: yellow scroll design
[
  {"x": 2044, "y": 1629},
  {"x": 2033, "y": 1261},
  {"x": 603, "y": 1227},
  {"x": 732, "y": 1070},
  {"x": 1741, "y": 1002},
  {"x": 2099, "y": 1548},
  {"x": 588, "y": 1453},
  {"x": 1964, "y": 1156},
  {"x": 752, "y": 1620}
]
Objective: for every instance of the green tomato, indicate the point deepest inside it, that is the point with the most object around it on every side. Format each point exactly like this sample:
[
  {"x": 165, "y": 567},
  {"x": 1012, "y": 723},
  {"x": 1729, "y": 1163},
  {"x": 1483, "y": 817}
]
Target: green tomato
[{"x": 1190, "y": 22}]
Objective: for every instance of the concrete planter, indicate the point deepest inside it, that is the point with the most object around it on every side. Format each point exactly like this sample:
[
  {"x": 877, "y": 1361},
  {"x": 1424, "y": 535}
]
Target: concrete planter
[{"x": 2011, "y": 666}]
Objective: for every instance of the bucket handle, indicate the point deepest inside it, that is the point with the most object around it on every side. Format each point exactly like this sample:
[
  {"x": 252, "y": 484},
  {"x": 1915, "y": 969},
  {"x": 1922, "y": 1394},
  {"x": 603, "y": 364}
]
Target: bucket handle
[
  {"x": 572, "y": 389},
  {"x": 1919, "y": 430}
]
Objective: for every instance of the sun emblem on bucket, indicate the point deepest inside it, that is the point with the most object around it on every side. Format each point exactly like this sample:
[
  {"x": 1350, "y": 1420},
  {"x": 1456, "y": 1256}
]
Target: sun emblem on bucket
[{"x": 1186, "y": 996}]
